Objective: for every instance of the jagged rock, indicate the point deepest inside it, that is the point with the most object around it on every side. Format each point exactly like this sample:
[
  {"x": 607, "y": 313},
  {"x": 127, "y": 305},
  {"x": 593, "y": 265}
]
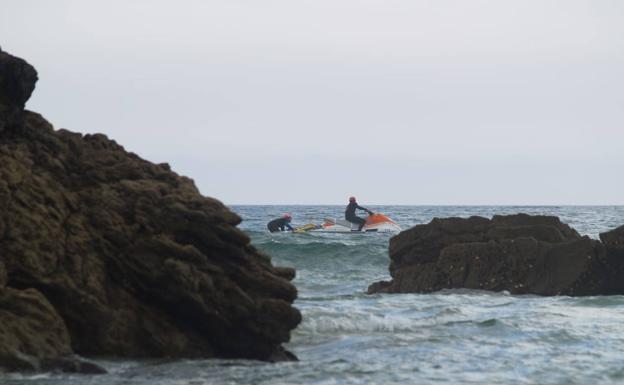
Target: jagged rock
[
  {"x": 132, "y": 259},
  {"x": 34, "y": 337},
  {"x": 518, "y": 253},
  {"x": 614, "y": 240},
  {"x": 30, "y": 330},
  {"x": 17, "y": 82},
  {"x": 285, "y": 272}
]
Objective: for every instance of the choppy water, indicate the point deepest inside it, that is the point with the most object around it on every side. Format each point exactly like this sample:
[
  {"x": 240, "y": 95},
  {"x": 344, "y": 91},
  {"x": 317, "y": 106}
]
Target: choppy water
[{"x": 348, "y": 337}]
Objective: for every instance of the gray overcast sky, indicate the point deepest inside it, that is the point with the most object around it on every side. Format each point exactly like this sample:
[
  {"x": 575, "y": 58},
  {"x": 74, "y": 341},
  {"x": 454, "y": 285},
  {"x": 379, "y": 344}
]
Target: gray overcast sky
[{"x": 396, "y": 102}]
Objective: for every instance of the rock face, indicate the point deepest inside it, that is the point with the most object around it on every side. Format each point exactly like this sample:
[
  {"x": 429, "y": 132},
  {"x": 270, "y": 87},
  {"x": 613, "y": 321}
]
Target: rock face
[
  {"x": 614, "y": 241},
  {"x": 519, "y": 253},
  {"x": 17, "y": 82},
  {"x": 105, "y": 254}
]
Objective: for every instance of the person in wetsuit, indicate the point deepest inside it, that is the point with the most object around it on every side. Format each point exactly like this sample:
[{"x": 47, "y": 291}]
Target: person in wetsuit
[
  {"x": 350, "y": 213},
  {"x": 280, "y": 224}
]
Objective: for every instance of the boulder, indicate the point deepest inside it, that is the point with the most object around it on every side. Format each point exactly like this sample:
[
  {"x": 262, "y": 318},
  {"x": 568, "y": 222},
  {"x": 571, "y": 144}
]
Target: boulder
[
  {"x": 520, "y": 253},
  {"x": 33, "y": 336},
  {"x": 126, "y": 258}
]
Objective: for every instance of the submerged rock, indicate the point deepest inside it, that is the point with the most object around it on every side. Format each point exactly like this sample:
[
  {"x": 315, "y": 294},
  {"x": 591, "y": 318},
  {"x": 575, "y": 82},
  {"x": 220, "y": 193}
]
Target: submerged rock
[
  {"x": 105, "y": 254},
  {"x": 520, "y": 253}
]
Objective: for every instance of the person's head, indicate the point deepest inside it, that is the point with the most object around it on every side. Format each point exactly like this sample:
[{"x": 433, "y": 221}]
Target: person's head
[
  {"x": 351, "y": 199},
  {"x": 287, "y": 217}
]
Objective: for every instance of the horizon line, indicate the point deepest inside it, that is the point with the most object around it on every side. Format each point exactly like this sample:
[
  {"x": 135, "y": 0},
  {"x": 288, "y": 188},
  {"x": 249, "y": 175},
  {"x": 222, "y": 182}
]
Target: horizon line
[{"x": 432, "y": 205}]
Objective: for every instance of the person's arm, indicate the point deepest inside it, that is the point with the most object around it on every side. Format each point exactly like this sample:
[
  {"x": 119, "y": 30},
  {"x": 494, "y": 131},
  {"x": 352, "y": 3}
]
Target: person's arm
[
  {"x": 365, "y": 209},
  {"x": 290, "y": 228}
]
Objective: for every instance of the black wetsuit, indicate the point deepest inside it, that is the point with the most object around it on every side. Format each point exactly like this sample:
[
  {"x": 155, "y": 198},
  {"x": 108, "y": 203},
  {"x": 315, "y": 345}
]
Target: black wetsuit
[
  {"x": 279, "y": 224},
  {"x": 351, "y": 217}
]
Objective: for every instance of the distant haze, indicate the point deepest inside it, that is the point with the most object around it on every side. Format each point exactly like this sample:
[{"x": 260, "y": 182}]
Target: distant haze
[{"x": 396, "y": 102}]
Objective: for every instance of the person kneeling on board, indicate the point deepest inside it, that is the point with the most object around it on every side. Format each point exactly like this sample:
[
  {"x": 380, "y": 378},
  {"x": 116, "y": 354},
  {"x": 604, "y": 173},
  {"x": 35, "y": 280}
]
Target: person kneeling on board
[
  {"x": 350, "y": 213},
  {"x": 280, "y": 224}
]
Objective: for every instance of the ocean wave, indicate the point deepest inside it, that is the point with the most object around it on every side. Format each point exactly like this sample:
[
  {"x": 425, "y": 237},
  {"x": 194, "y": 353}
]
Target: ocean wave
[
  {"x": 354, "y": 320},
  {"x": 349, "y": 323}
]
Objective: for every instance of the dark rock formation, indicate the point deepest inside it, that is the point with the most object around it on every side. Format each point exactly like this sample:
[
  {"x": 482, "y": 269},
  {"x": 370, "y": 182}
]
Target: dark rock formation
[
  {"x": 614, "y": 244},
  {"x": 519, "y": 253},
  {"x": 17, "y": 82},
  {"x": 33, "y": 336},
  {"x": 105, "y": 254},
  {"x": 614, "y": 241}
]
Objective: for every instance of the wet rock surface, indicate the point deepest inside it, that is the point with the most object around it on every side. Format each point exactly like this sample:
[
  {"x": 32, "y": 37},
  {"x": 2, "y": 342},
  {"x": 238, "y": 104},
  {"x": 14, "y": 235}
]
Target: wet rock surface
[
  {"x": 105, "y": 254},
  {"x": 520, "y": 253}
]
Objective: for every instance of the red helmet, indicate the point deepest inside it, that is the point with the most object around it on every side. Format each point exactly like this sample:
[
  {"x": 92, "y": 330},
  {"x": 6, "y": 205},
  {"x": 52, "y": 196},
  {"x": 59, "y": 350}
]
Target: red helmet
[
  {"x": 351, "y": 199},
  {"x": 287, "y": 216}
]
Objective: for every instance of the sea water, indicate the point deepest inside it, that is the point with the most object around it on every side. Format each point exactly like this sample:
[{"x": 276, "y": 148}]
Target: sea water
[{"x": 450, "y": 337}]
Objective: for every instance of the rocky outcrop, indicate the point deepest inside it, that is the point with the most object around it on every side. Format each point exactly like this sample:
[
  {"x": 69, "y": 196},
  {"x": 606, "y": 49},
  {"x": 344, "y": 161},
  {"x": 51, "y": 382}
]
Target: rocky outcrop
[
  {"x": 105, "y": 254},
  {"x": 519, "y": 253},
  {"x": 614, "y": 244},
  {"x": 33, "y": 336},
  {"x": 17, "y": 82},
  {"x": 614, "y": 241}
]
